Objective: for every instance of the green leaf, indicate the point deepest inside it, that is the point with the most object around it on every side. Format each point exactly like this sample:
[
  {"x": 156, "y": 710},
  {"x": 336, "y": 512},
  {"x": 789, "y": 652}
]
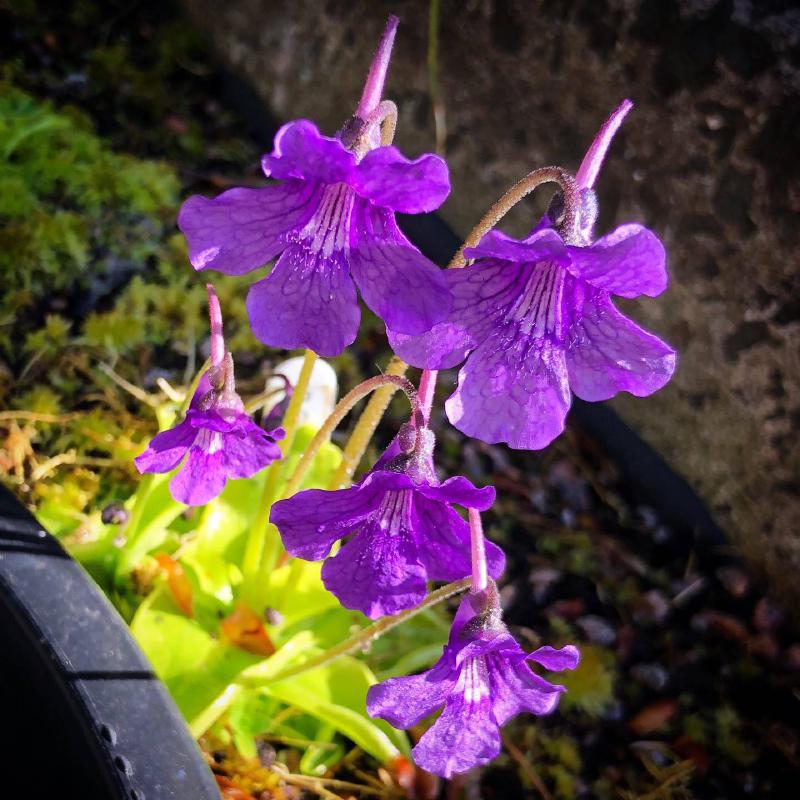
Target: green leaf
[
  {"x": 193, "y": 663},
  {"x": 336, "y": 694},
  {"x": 317, "y": 759}
]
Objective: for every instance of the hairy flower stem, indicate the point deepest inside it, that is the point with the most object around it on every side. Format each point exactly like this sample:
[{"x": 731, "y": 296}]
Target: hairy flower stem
[
  {"x": 480, "y": 578},
  {"x": 258, "y": 675},
  {"x": 343, "y": 407},
  {"x": 427, "y": 389},
  {"x": 254, "y": 550},
  {"x": 367, "y": 423},
  {"x": 517, "y": 192}
]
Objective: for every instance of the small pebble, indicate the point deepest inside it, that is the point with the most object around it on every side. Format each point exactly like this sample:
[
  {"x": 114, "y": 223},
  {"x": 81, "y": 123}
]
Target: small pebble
[
  {"x": 568, "y": 518},
  {"x": 764, "y": 646},
  {"x": 266, "y": 753},
  {"x": 539, "y": 500},
  {"x": 725, "y": 624},
  {"x": 651, "y": 608},
  {"x": 662, "y": 534},
  {"x": 114, "y": 514},
  {"x": 653, "y": 676},
  {"x": 648, "y": 516},
  {"x": 792, "y": 656},
  {"x": 766, "y": 616},
  {"x": 598, "y": 630},
  {"x": 273, "y": 616},
  {"x": 569, "y": 609},
  {"x": 734, "y": 580},
  {"x": 541, "y": 580}
]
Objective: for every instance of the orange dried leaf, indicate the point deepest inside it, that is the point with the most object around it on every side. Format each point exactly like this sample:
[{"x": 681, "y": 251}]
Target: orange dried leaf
[
  {"x": 178, "y": 583},
  {"x": 653, "y": 717},
  {"x": 416, "y": 783},
  {"x": 245, "y": 629},
  {"x": 230, "y": 791}
]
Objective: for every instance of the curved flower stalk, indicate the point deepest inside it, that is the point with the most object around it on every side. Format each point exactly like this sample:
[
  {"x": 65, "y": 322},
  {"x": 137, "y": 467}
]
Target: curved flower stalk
[
  {"x": 534, "y": 321},
  {"x": 219, "y": 437},
  {"x": 330, "y": 219},
  {"x": 482, "y": 680},
  {"x": 405, "y": 531}
]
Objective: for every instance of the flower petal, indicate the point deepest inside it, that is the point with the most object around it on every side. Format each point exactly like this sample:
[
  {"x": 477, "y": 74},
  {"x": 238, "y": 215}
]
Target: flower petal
[
  {"x": 460, "y": 491},
  {"x": 404, "y": 701},
  {"x": 550, "y": 658},
  {"x": 481, "y": 294},
  {"x": 464, "y": 736},
  {"x": 248, "y": 450},
  {"x": 443, "y": 542},
  {"x": 301, "y": 151},
  {"x": 243, "y": 229},
  {"x": 376, "y": 573},
  {"x": 406, "y": 290},
  {"x": 514, "y": 389},
  {"x": 515, "y": 688},
  {"x": 166, "y": 449},
  {"x": 311, "y": 521},
  {"x": 608, "y": 353},
  {"x": 387, "y": 178},
  {"x": 629, "y": 262},
  {"x": 200, "y": 479},
  {"x": 307, "y": 301},
  {"x": 541, "y": 245}
]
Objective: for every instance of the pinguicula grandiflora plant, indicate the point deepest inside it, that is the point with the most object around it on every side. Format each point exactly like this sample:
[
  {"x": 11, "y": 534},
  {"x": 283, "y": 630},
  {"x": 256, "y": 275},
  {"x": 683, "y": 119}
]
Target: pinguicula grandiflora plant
[{"x": 258, "y": 607}]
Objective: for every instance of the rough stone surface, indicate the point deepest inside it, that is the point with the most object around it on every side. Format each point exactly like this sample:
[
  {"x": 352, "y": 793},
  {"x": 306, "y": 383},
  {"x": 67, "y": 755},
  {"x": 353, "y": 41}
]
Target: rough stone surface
[{"x": 709, "y": 158}]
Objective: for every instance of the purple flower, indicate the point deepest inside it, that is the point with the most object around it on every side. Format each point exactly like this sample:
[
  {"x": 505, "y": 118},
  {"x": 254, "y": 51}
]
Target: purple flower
[
  {"x": 535, "y": 321},
  {"x": 221, "y": 440},
  {"x": 482, "y": 680},
  {"x": 403, "y": 528},
  {"x": 330, "y": 220}
]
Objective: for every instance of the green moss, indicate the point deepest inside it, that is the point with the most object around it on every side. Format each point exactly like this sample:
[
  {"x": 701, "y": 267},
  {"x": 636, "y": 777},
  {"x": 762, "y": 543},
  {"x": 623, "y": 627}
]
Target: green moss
[
  {"x": 77, "y": 219},
  {"x": 71, "y": 212},
  {"x": 590, "y": 687}
]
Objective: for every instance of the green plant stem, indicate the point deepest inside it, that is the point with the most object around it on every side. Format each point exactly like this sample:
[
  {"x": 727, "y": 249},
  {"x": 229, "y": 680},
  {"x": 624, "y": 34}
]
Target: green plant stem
[
  {"x": 254, "y": 549},
  {"x": 211, "y": 713},
  {"x": 343, "y": 407},
  {"x": 365, "y": 427},
  {"x": 142, "y": 493}
]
